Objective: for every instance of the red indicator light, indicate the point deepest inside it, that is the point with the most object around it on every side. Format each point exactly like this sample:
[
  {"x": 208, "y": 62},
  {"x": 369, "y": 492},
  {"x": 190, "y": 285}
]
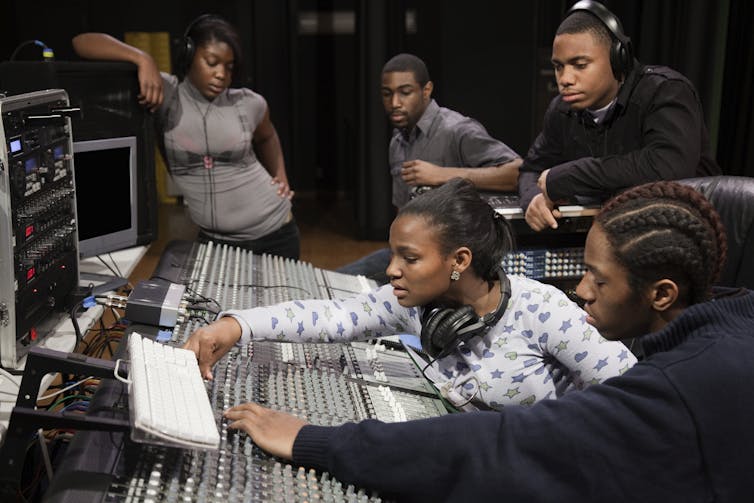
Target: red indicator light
[{"x": 30, "y": 273}]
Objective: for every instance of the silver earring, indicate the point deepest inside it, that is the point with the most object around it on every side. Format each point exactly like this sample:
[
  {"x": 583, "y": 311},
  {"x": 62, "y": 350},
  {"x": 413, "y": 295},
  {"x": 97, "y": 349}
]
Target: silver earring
[{"x": 455, "y": 275}]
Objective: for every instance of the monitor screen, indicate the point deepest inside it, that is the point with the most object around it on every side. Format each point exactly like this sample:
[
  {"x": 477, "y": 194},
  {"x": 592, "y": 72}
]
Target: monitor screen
[{"x": 106, "y": 205}]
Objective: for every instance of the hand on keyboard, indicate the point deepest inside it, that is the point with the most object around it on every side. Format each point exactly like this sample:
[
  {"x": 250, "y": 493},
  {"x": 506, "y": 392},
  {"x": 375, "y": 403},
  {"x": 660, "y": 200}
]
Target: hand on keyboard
[{"x": 168, "y": 397}]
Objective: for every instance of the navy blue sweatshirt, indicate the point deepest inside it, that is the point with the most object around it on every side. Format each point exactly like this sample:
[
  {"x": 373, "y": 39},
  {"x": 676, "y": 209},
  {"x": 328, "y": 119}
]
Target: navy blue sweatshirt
[{"x": 676, "y": 427}]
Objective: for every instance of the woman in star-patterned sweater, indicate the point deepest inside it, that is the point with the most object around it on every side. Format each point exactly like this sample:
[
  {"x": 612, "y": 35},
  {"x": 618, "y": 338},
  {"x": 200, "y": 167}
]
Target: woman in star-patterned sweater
[
  {"x": 447, "y": 246},
  {"x": 542, "y": 347}
]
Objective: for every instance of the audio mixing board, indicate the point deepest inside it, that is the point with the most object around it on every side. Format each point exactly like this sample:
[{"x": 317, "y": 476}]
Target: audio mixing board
[{"x": 326, "y": 383}]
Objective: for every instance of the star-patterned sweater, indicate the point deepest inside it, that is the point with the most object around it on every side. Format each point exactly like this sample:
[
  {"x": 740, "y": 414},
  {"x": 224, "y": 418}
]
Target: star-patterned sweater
[{"x": 541, "y": 348}]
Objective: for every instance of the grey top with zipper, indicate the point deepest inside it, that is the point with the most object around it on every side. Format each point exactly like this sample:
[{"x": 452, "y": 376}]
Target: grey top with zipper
[{"x": 208, "y": 150}]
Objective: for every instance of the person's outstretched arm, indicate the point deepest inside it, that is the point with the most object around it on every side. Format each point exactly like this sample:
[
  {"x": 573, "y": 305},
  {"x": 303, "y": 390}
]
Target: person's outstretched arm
[
  {"x": 101, "y": 46},
  {"x": 614, "y": 433},
  {"x": 489, "y": 163},
  {"x": 502, "y": 177},
  {"x": 211, "y": 342}
]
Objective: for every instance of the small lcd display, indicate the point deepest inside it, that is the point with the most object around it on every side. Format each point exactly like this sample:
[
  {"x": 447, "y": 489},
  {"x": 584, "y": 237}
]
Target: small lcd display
[
  {"x": 15, "y": 145},
  {"x": 31, "y": 165}
]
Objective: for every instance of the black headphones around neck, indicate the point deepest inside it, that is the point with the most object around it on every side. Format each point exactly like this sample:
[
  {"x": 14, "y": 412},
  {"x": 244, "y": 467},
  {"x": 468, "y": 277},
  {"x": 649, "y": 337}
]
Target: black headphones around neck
[
  {"x": 443, "y": 329},
  {"x": 187, "y": 45},
  {"x": 621, "y": 50}
]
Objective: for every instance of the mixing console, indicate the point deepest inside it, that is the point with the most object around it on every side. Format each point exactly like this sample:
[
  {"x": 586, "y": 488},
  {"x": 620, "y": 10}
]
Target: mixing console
[
  {"x": 546, "y": 264},
  {"x": 232, "y": 278},
  {"x": 328, "y": 384}
]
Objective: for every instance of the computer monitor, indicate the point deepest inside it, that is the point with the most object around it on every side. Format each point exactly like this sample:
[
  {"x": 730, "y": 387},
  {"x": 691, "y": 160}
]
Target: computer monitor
[{"x": 106, "y": 194}]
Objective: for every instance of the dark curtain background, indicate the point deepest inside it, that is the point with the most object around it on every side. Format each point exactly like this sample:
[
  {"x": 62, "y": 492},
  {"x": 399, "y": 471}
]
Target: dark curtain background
[
  {"x": 686, "y": 35},
  {"x": 490, "y": 61},
  {"x": 735, "y": 150},
  {"x": 712, "y": 43}
]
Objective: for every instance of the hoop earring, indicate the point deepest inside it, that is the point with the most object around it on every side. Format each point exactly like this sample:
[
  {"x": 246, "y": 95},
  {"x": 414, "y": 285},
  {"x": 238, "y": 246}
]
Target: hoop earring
[{"x": 455, "y": 275}]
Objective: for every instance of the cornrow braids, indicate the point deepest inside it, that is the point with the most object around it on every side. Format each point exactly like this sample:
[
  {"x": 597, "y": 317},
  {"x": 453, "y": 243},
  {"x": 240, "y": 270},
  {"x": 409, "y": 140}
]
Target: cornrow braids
[{"x": 666, "y": 229}]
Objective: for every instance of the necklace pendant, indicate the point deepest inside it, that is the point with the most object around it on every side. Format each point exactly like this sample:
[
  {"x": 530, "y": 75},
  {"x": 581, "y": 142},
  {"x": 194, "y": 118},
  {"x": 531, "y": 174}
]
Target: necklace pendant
[{"x": 208, "y": 162}]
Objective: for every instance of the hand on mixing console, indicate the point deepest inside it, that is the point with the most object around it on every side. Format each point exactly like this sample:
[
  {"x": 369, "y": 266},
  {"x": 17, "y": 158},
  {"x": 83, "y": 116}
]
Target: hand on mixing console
[
  {"x": 273, "y": 431},
  {"x": 212, "y": 341}
]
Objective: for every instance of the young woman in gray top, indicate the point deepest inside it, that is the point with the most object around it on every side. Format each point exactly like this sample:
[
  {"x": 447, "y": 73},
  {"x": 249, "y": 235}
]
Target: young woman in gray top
[{"x": 218, "y": 142}]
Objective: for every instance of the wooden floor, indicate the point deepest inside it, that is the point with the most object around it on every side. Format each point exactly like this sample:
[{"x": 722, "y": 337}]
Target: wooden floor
[{"x": 326, "y": 225}]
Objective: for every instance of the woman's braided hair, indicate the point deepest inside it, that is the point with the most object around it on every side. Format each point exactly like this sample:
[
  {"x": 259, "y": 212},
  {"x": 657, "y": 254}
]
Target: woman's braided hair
[{"x": 666, "y": 230}]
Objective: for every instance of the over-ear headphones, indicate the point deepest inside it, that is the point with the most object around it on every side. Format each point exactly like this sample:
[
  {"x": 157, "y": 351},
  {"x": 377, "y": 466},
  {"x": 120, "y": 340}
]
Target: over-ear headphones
[
  {"x": 621, "y": 50},
  {"x": 187, "y": 45},
  {"x": 443, "y": 329}
]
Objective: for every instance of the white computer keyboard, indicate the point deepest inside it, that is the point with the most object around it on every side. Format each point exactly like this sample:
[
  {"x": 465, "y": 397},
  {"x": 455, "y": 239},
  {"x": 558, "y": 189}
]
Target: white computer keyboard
[{"x": 168, "y": 398}]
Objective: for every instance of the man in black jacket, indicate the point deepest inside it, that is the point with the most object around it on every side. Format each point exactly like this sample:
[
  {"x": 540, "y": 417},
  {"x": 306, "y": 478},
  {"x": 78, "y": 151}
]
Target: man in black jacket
[{"x": 615, "y": 124}]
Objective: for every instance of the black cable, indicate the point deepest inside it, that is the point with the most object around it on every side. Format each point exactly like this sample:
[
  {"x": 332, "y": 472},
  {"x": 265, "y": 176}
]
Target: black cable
[
  {"x": 103, "y": 339},
  {"x": 198, "y": 307},
  {"x": 76, "y": 329},
  {"x": 344, "y": 290},
  {"x": 74, "y": 311},
  {"x": 47, "y": 53},
  {"x": 114, "y": 268},
  {"x": 265, "y": 287},
  {"x": 204, "y": 298}
]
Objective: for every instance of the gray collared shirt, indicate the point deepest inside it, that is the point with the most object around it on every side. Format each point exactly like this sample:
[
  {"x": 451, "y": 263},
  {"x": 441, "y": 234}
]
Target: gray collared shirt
[{"x": 444, "y": 138}]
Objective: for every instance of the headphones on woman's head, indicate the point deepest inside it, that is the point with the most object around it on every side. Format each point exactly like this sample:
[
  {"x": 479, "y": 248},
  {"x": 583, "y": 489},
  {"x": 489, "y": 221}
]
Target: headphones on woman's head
[
  {"x": 443, "y": 329},
  {"x": 621, "y": 50},
  {"x": 187, "y": 45}
]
